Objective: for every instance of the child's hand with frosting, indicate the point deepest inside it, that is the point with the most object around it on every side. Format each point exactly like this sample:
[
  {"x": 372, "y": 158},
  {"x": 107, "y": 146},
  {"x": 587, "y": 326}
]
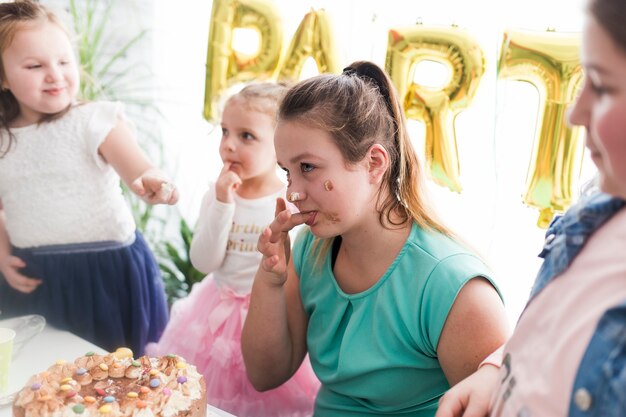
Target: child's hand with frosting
[{"x": 154, "y": 188}]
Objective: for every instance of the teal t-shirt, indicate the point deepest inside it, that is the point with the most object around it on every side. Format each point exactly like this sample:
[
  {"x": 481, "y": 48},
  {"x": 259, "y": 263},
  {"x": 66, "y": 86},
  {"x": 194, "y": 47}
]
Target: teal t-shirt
[{"x": 375, "y": 351}]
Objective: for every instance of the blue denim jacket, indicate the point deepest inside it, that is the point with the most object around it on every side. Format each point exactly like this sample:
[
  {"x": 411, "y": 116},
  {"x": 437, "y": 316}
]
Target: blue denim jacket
[{"x": 600, "y": 385}]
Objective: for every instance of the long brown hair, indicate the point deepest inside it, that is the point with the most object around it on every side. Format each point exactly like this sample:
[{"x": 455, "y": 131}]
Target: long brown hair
[
  {"x": 360, "y": 108},
  {"x": 14, "y": 16}
]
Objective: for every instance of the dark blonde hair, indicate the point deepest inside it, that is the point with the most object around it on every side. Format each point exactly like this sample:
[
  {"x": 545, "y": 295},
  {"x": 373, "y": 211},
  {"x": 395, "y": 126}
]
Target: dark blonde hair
[
  {"x": 263, "y": 97},
  {"x": 360, "y": 108},
  {"x": 14, "y": 16}
]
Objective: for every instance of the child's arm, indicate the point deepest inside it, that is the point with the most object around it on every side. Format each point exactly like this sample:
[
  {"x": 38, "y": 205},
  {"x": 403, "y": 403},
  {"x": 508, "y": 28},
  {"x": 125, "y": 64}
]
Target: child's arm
[
  {"x": 210, "y": 236},
  {"x": 475, "y": 327},
  {"x": 274, "y": 334},
  {"x": 10, "y": 264},
  {"x": 122, "y": 152}
]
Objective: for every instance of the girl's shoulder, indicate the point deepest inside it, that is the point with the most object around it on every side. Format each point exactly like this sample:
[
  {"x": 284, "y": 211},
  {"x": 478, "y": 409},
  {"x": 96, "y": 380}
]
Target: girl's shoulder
[
  {"x": 435, "y": 244},
  {"x": 84, "y": 115}
]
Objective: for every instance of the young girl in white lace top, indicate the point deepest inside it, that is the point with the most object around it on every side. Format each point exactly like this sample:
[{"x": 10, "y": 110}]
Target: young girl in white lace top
[{"x": 69, "y": 248}]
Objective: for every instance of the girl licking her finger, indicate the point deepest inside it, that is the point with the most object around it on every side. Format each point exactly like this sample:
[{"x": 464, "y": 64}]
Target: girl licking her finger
[{"x": 381, "y": 296}]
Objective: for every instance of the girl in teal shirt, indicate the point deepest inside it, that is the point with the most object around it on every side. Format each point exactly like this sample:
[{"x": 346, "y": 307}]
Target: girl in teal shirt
[{"x": 391, "y": 309}]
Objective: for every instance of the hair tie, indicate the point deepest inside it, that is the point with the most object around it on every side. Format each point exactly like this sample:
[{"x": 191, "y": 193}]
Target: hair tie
[{"x": 349, "y": 71}]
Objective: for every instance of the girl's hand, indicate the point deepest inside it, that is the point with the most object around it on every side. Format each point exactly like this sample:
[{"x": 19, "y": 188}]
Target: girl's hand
[
  {"x": 274, "y": 243},
  {"x": 21, "y": 283},
  {"x": 154, "y": 188},
  {"x": 227, "y": 182},
  {"x": 472, "y": 396}
]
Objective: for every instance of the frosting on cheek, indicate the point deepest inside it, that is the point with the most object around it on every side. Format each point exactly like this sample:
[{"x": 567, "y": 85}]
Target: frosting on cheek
[{"x": 332, "y": 217}]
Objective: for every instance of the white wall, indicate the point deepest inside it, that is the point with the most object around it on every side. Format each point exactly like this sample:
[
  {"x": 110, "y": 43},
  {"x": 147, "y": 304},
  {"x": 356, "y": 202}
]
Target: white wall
[{"x": 494, "y": 136}]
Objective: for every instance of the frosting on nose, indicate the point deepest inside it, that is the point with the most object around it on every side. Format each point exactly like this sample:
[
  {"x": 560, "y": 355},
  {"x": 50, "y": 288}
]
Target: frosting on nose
[{"x": 293, "y": 197}]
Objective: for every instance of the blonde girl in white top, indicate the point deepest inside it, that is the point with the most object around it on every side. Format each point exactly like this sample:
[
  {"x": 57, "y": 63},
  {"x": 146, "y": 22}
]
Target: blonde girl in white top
[{"x": 69, "y": 248}]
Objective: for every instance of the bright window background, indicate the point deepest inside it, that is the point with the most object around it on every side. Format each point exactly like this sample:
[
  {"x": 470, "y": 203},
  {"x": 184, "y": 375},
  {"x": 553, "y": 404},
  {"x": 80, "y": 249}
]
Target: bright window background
[{"x": 494, "y": 136}]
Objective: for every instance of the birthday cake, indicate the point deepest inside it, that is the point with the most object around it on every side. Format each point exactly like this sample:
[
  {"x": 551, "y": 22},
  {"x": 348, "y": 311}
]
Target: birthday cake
[{"x": 114, "y": 385}]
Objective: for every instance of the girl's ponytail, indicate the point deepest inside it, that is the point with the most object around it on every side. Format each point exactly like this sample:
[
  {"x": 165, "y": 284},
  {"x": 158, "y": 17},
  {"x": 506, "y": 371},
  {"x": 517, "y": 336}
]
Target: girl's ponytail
[{"x": 405, "y": 177}]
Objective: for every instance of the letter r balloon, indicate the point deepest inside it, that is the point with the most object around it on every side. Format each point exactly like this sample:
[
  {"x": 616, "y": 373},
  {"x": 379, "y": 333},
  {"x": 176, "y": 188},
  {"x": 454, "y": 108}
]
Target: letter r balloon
[{"x": 436, "y": 107}]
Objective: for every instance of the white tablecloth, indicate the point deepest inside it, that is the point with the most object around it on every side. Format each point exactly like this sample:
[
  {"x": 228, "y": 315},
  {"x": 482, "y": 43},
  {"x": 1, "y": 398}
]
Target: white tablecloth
[{"x": 46, "y": 348}]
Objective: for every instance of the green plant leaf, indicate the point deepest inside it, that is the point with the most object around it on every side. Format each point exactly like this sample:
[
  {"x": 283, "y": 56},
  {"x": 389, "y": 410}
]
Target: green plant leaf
[{"x": 117, "y": 55}]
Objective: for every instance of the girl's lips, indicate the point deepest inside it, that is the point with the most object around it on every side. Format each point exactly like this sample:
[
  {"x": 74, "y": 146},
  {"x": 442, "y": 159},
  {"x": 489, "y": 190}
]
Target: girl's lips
[
  {"x": 235, "y": 167},
  {"x": 311, "y": 219},
  {"x": 53, "y": 91}
]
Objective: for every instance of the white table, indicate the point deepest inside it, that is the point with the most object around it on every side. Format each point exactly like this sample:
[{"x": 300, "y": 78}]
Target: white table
[{"x": 47, "y": 347}]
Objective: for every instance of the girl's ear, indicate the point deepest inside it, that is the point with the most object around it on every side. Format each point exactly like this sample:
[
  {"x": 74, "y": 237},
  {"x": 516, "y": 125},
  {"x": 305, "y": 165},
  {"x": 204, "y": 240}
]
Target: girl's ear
[{"x": 378, "y": 163}]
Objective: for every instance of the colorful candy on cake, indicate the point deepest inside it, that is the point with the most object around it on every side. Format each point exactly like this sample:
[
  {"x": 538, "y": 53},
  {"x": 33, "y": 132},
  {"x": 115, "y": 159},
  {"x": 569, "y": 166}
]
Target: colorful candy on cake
[{"x": 114, "y": 385}]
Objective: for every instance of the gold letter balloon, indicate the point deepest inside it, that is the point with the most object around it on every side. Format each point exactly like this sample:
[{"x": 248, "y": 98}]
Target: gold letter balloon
[
  {"x": 313, "y": 38},
  {"x": 224, "y": 66},
  {"x": 436, "y": 107},
  {"x": 548, "y": 60}
]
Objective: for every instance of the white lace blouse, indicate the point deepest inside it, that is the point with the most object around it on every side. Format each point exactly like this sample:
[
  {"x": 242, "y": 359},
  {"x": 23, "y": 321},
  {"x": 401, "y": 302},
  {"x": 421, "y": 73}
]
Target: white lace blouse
[{"x": 57, "y": 189}]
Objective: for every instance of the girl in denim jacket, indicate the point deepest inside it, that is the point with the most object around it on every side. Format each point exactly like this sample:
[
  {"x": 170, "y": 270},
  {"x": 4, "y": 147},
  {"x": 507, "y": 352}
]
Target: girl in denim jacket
[{"x": 567, "y": 356}]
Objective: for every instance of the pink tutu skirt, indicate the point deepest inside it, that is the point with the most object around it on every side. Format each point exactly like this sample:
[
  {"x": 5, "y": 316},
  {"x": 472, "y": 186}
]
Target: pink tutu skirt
[{"x": 205, "y": 329}]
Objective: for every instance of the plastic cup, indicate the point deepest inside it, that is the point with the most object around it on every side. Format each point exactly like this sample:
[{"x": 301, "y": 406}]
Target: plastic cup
[{"x": 6, "y": 347}]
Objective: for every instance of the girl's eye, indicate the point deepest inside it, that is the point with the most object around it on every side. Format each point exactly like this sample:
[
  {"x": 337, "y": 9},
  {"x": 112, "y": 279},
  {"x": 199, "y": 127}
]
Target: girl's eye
[
  {"x": 64, "y": 62},
  {"x": 34, "y": 66},
  {"x": 596, "y": 85},
  {"x": 224, "y": 132},
  {"x": 247, "y": 136},
  {"x": 598, "y": 89},
  {"x": 304, "y": 167}
]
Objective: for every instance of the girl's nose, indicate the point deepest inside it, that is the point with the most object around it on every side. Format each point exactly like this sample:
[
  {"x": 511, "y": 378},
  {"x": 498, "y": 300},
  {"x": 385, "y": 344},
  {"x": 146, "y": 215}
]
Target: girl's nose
[
  {"x": 228, "y": 144},
  {"x": 295, "y": 191},
  {"x": 53, "y": 74},
  {"x": 295, "y": 196},
  {"x": 578, "y": 113}
]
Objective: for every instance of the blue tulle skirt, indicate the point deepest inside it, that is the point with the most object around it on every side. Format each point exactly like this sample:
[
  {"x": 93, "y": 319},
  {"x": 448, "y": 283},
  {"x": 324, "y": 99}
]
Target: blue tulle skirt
[{"x": 108, "y": 293}]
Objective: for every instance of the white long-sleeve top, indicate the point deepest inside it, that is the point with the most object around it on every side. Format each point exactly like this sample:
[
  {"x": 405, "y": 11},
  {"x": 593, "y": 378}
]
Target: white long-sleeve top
[{"x": 226, "y": 235}]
